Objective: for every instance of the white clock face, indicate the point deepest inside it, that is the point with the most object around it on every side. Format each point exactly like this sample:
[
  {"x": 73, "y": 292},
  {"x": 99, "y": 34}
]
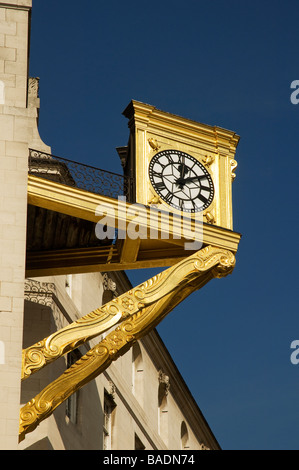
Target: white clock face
[{"x": 181, "y": 181}]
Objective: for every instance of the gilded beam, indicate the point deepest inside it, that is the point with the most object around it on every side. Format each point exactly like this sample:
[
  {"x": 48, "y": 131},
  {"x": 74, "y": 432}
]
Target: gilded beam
[
  {"x": 142, "y": 308},
  {"x": 83, "y": 204},
  {"x": 165, "y": 249}
]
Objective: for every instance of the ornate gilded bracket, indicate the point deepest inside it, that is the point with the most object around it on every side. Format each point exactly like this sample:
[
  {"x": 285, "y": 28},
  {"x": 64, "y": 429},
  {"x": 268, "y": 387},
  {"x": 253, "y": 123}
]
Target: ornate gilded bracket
[{"x": 139, "y": 311}]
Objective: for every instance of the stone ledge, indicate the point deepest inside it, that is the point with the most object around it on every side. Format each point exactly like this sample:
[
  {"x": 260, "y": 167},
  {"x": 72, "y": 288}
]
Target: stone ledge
[{"x": 16, "y": 4}]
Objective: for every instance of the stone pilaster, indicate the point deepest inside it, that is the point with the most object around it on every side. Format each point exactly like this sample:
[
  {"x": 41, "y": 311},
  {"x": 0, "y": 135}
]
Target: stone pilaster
[{"x": 17, "y": 131}]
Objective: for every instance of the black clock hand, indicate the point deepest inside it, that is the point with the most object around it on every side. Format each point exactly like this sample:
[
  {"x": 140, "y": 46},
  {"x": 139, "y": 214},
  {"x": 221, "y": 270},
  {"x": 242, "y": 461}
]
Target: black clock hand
[
  {"x": 181, "y": 181},
  {"x": 194, "y": 178},
  {"x": 183, "y": 171}
]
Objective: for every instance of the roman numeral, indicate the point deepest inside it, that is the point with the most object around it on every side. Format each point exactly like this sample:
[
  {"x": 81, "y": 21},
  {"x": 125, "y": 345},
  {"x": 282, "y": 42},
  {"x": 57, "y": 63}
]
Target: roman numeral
[
  {"x": 168, "y": 197},
  {"x": 206, "y": 188},
  {"x": 202, "y": 198},
  {"x": 170, "y": 159},
  {"x": 155, "y": 174},
  {"x": 160, "y": 185}
]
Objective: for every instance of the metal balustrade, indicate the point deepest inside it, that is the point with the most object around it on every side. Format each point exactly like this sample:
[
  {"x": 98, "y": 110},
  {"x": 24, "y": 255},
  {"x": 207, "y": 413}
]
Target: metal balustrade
[{"x": 79, "y": 175}]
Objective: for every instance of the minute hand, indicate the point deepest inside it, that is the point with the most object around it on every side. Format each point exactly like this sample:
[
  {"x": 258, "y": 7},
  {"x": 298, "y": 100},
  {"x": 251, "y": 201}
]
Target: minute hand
[{"x": 190, "y": 179}]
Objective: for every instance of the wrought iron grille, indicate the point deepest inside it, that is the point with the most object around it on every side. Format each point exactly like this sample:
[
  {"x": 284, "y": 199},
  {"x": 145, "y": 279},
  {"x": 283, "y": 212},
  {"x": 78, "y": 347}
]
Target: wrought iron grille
[{"x": 76, "y": 174}]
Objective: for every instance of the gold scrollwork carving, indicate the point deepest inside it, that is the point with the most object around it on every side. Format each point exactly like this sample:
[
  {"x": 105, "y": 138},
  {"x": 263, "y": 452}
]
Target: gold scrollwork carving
[
  {"x": 100, "y": 320},
  {"x": 234, "y": 165},
  {"x": 152, "y": 301},
  {"x": 59, "y": 343}
]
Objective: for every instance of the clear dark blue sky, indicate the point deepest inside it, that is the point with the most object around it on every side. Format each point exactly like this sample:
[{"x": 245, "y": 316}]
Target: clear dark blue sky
[{"x": 227, "y": 63}]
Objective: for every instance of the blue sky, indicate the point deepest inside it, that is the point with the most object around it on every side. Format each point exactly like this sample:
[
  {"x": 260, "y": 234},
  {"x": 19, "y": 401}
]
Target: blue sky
[{"x": 226, "y": 63}]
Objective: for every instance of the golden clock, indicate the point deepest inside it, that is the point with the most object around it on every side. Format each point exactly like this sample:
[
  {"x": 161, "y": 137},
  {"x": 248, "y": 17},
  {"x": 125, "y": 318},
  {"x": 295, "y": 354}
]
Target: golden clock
[{"x": 158, "y": 144}]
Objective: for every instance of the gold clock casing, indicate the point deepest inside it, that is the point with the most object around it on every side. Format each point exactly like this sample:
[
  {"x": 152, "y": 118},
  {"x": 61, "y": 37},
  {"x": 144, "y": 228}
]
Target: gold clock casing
[{"x": 153, "y": 130}]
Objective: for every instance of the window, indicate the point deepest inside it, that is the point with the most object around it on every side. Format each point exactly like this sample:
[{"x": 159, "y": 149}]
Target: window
[
  {"x": 137, "y": 373},
  {"x": 138, "y": 443},
  {"x": 184, "y": 436},
  {"x": 163, "y": 413},
  {"x": 71, "y": 403},
  {"x": 109, "y": 406}
]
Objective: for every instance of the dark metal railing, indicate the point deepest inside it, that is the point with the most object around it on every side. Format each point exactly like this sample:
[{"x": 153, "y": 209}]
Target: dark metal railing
[{"x": 78, "y": 175}]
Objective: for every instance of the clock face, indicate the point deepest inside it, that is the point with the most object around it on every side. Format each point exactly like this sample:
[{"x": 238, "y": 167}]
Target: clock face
[{"x": 181, "y": 181}]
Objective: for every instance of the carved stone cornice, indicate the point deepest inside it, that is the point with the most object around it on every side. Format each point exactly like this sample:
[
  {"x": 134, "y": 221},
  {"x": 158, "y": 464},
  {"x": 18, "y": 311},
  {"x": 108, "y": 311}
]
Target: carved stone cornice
[{"x": 17, "y": 4}]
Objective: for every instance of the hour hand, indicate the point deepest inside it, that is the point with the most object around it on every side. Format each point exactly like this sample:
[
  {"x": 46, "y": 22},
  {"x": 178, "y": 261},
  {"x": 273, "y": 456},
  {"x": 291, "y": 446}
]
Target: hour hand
[{"x": 183, "y": 169}]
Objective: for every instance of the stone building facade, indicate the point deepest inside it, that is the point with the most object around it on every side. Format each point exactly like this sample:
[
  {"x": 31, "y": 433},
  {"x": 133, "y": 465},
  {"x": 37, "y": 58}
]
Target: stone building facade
[
  {"x": 141, "y": 400},
  {"x": 17, "y": 124}
]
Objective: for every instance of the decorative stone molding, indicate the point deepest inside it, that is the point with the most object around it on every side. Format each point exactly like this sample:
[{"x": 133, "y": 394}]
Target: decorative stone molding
[
  {"x": 111, "y": 389},
  {"x": 39, "y": 292},
  {"x": 109, "y": 284},
  {"x": 33, "y": 87},
  {"x": 165, "y": 381}
]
